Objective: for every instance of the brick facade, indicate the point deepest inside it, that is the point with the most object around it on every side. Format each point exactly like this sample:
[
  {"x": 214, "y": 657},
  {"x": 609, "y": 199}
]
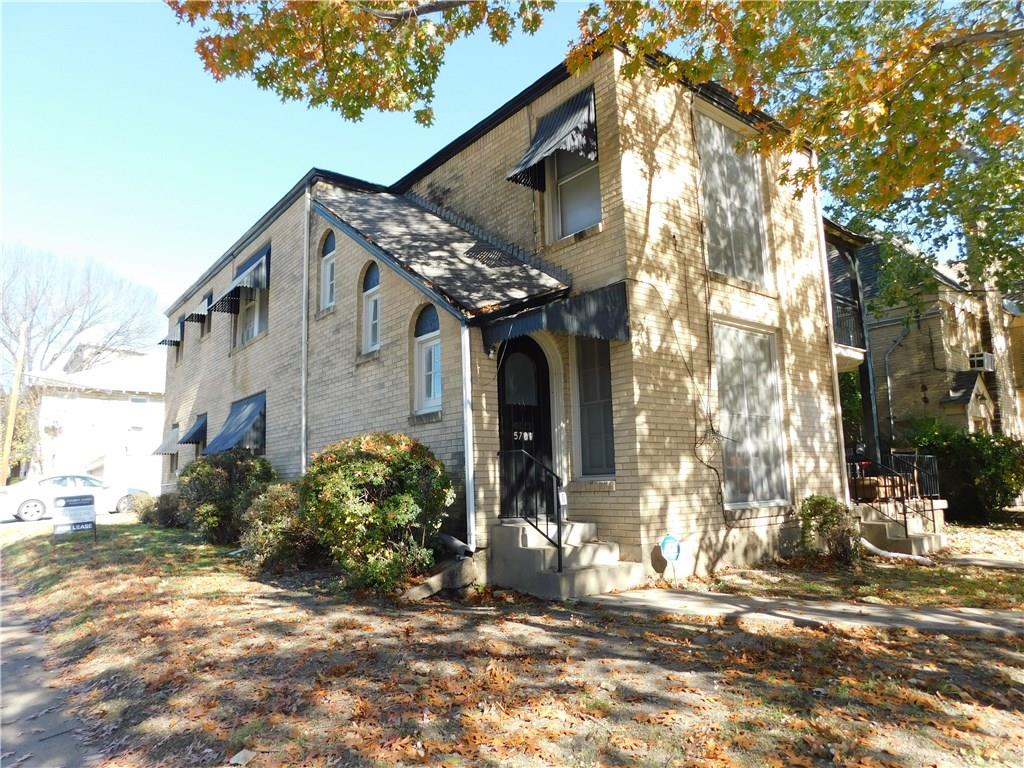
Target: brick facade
[{"x": 667, "y": 458}]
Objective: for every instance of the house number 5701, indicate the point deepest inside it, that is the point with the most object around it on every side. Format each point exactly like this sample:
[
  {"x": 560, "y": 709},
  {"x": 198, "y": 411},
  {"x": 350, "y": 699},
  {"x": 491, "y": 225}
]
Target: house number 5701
[{"x": 522, "y": 436}]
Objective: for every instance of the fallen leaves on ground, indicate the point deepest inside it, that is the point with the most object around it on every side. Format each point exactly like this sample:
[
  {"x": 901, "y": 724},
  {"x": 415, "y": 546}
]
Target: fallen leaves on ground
[{"x": 176, "y": 656}]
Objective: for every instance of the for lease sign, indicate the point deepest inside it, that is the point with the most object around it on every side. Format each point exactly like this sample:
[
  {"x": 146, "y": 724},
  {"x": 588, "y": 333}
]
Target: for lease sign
[{"x": 73, "y": 513}]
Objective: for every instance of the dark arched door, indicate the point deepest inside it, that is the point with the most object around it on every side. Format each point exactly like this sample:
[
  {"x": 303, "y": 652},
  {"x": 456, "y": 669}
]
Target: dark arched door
[{"x": 524, "y": 406}]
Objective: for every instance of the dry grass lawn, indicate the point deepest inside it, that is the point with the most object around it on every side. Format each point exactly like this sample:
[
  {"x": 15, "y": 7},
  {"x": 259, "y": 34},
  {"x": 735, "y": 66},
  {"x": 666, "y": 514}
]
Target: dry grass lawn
[{"x": 177, "y": 656}]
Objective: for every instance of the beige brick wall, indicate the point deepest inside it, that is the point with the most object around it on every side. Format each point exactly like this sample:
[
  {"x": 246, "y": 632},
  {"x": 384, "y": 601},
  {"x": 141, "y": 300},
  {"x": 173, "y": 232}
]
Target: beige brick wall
[{"x": 212, "y": 374}]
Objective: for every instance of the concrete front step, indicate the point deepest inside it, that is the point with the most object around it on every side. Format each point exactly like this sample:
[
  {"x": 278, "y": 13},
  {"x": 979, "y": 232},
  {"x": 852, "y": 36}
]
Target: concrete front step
[
  {"x": 533, "y": 552},
  {"x": 581, "y": 582},
  {"x": 573, "y": 532},
  {"x": 883, "y": 536}
]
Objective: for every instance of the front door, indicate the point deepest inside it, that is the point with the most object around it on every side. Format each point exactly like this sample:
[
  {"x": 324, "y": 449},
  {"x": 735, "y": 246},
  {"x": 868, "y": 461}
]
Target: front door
[{"x": 524, "y": 405}]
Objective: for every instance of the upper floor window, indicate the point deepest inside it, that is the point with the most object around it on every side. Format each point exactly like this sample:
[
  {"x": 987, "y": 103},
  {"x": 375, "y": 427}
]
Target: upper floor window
[
  {"x": 575, "y": 199},
  {"x": 179, "y": 350},
  {"x": 251, "y": 286},
  {"x": 371, "y": 308},
  {"x": 733, "y": 211},
  {"x": 207, "y": 325},
  {"x": 327, "y": 272},
  {"x": 427, "y": 361},
  {"x": 562, "y": 162}
]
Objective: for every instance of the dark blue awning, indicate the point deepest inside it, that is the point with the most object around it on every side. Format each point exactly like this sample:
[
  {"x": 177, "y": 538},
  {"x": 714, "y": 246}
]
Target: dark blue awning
[
  {"x": 177, "y": 333},
  {"x": 243, "y": 414},
  {"x": 255, "y": 274},
  {"x": 598, "y": 314},
  {"x": 196, "y": 434},
  {"x": 571, "y": 127}
]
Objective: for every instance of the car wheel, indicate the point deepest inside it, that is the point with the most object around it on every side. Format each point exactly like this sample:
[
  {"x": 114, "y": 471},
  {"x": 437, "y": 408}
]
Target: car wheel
[
  {"x": 124, "y": 505},
  {"x": 33, "y": 509}
]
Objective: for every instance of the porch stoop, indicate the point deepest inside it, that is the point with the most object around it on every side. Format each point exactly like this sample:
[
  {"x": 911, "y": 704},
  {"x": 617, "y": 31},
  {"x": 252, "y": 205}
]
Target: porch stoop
[
  {"x": 881, "y": 523},
  {"x": 522, "y": 559}
]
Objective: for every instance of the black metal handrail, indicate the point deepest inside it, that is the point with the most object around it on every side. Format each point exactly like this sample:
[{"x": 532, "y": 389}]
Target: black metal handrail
[
  {"x": 847, "y": 325},
  {"x": 895, "y": 489},
  {"x": 547, "y": 478},
  {"x": 922, "y": 473}
]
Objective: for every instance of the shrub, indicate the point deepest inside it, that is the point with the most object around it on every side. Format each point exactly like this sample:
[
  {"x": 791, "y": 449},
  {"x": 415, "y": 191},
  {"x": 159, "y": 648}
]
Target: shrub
[
  {"x": 980, "y": 474},
  {"x": 376, "y": 503},
  {"x": 275, "y": 535},
  {"x": 164, "y": 510},
  {"x": 216, "y": 490},
  {"x": 827, "y": 527}
]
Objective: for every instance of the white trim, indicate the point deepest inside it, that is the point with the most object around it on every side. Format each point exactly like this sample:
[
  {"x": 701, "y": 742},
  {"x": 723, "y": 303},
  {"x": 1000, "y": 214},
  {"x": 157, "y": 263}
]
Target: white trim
[
  {"x": 368, "y": 298},
  {"x": 421, "y": 345},
  {"x": 327, "y": 261},
  {"x": 467, "y": 434},
  {"x": 773, "y": 336},
  {"x": 552, "y": 195}
]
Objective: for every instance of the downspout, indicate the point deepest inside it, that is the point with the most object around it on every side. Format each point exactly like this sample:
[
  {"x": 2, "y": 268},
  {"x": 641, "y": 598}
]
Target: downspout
[
  {"x": 827, "y": 286},
  {"x": 304, "y": 365},
  {"x": 888, "y": 385},
  {"x": 467, "y": 435}
]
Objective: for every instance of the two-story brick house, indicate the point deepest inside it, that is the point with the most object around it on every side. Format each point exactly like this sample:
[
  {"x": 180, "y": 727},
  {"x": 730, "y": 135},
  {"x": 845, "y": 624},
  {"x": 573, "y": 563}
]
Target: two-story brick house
[{"x": 589, "y": 301}]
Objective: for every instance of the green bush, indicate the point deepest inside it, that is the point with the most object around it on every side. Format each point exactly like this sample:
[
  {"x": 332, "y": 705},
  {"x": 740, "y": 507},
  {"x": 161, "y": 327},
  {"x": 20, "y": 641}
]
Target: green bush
[
  {"x": 376, "y": 503},
  {"x": 164, "y": 510},
  {"x": 979, "y": 474},
  {"x": 216, "y": 490},
  {"x": 828, "y": 527},
  {"x": 275, "y": 535}
]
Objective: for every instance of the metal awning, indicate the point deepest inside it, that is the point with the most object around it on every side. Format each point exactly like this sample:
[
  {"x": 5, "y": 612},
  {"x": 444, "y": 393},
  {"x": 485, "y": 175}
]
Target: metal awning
[
  {"x": 241, "y": 416},
  {"x": 254, "y": 274},
  {"x": 571, "y": 127},
  {"x": 169, "y": 445},
  {"x": 173, "y": 339},
  {"x": 599, "y": 314},
  {"x": 198, "y": 315},
  {"x": 196, "y": 434}
]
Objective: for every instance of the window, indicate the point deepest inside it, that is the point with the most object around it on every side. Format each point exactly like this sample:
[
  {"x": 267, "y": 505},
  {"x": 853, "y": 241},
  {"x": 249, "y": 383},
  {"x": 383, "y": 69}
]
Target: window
[
  {"x": 731, "y": 192},
  {"x": 575, "y": 201},
  {"x": 251, "y": 314},
  {"x": 172, "y": 458},
  {"x": 207, "y": 324},
  {"x": 179, "y": 350},
  {"x": 371, "y": 308},
  {"x": 594, "y": 388},
  {"x": 327, "y": 272},
  {"x": 256, "y": 436},
  {"x": 751, "y": 424},
  {"x": 427, "y": 353},
  {"x": 88, "y": 482}
]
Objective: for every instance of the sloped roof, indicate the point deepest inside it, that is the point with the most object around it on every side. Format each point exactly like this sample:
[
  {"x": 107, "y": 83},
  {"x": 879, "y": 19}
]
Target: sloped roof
[
  {"x": 964, "y": 383},
  {"x": 124, "y": 372},
  {"x": 472, "y": 270}
]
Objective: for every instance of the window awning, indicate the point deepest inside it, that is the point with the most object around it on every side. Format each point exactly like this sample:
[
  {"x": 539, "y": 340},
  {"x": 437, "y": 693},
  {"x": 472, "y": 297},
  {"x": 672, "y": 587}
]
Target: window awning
[
  {"x": 198, "y": 315},
  {"x": 169, "y": 445},
  {"x": 599, "y": 314},
  {"x": 173, "y": 339},
  {"x": 254, "y": 274},
  {"x": 196, "y": 433},
  {"x": 241, "y": 416},
  {"x": 571, "y": 127}
]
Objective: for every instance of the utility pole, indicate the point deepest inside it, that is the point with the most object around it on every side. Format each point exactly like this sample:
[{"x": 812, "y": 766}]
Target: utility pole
[{"x": 12, "y": 406}]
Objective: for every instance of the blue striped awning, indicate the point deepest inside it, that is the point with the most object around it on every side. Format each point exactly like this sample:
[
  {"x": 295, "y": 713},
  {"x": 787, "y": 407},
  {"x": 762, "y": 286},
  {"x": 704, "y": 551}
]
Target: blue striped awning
[
  {"x": 243, "y": 414},
  {"x": 196, "y": 434},
  {"x": 169, "y": 445},
  {"x": 599, "y": 314},
  {"x": 174, "y": 338},
  {"x": 571, "y": 127},
  {"x": 255, "y": 273}
]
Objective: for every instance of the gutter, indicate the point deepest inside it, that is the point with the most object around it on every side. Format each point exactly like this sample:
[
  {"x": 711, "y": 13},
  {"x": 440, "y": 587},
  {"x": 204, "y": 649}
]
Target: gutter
[
  {"x": 304, "y": 364},
  {"x": 826, "y": 285}
]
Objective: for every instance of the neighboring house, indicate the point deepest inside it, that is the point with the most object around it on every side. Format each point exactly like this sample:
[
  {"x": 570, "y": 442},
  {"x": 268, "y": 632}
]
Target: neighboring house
[
  {"x": 102, "y": 420},
  {"x": 589, "y": 288},
  {"x": 958, "y": 356}
]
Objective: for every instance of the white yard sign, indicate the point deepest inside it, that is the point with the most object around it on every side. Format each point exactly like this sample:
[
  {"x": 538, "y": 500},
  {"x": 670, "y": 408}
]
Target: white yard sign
[{"x": 74, "y": 513}]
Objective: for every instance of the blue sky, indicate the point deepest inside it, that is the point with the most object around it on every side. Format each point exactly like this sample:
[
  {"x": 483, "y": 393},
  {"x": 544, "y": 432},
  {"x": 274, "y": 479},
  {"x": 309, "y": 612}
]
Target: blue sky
[{"x": 118, "y": 147}]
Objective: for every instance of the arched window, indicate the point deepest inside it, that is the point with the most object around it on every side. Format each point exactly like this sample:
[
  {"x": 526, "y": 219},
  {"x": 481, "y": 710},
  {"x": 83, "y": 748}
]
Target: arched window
[
  {"x": 427, "y": 363},
  {"x": 327, "y": 272},
  {"x": 371, "y": 308}
]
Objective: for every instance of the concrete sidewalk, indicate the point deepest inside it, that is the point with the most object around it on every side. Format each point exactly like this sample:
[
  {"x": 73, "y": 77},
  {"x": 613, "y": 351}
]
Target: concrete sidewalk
[
  {"x": 981, "y": 561},
  {"x": 35, "y": 730},
  {"x": 805, "y": 613}
]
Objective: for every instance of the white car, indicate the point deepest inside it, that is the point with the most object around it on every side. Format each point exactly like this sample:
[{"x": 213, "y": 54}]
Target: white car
[{"x": 33, "y": 498}]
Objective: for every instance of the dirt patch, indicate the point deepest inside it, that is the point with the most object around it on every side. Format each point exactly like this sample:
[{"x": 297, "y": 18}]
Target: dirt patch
[{"x": 176, "y": 656}]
